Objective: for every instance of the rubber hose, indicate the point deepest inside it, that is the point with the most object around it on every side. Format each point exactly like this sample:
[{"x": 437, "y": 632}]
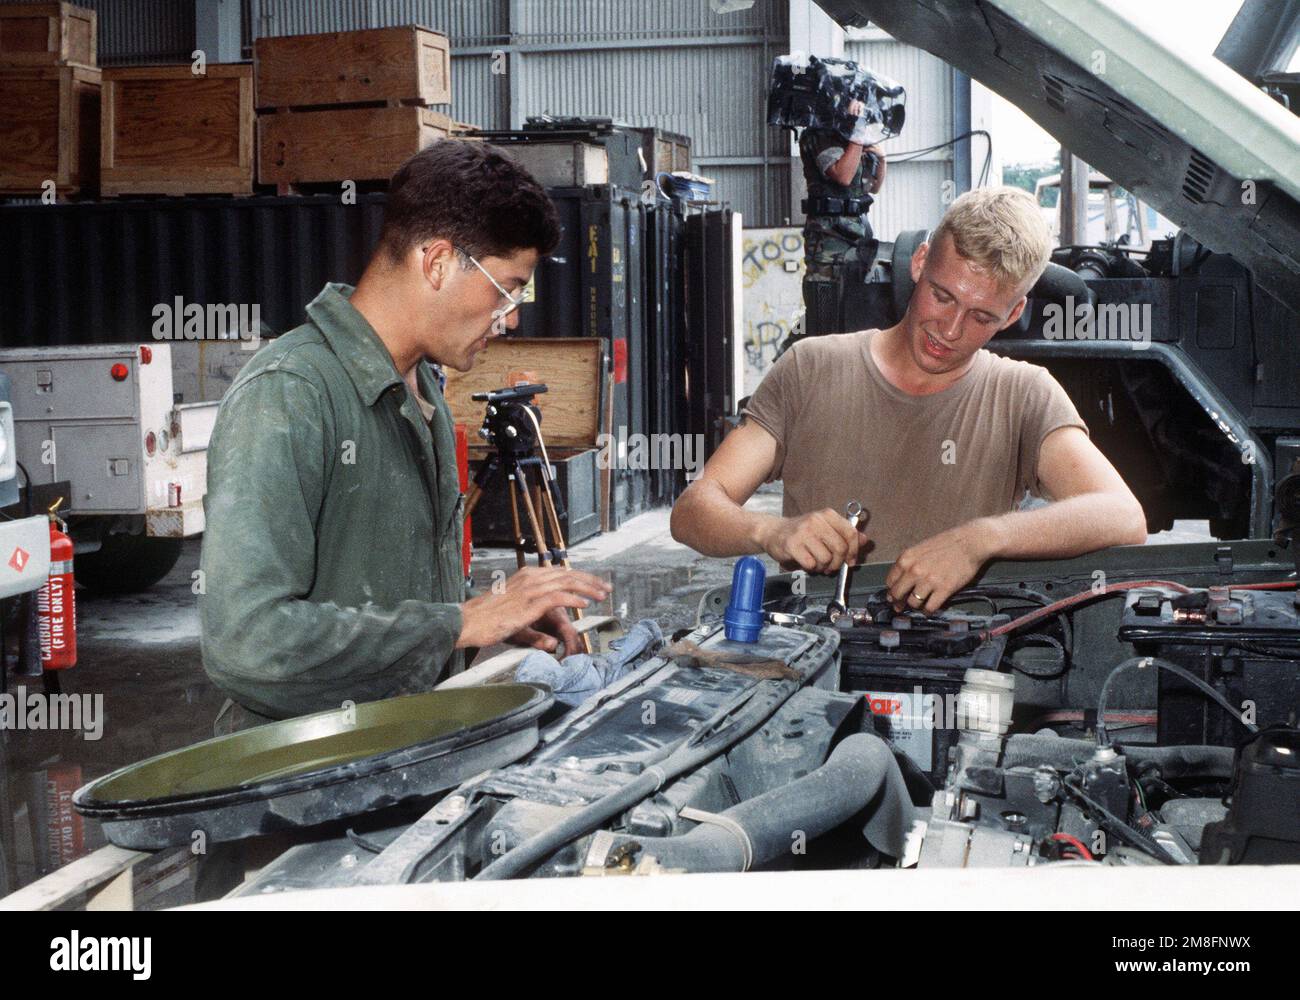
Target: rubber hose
[
  {"x": 812, "y": 805},
  {"x": 1175, "y": 762}
]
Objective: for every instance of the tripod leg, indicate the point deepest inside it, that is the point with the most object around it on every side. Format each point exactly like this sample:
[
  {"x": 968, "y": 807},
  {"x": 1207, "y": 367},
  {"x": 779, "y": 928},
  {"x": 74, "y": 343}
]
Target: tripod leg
[
  {"x": 472, "y": 498},
  {"x": 514, "y": 520},
  {"x": 532, "y": 517},
  {"x": 541, "y": 520},
  {"x": 553, "y": 517}
]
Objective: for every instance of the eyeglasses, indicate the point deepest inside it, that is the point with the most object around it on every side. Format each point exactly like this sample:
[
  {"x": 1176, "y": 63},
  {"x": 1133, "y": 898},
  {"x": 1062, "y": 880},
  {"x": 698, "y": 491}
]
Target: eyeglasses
[{"x": 514, "y": 301}]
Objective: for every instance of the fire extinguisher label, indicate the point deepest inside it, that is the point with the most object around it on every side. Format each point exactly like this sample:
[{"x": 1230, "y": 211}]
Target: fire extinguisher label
[
  {"x": 56, "y": 606},
  {"x": 50, "y": 607}
]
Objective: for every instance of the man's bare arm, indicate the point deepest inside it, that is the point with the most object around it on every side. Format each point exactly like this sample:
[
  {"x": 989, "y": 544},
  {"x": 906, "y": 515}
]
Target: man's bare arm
[
  {"x": 710, "y": 516},
  {"x": 1095, "y": 509}
]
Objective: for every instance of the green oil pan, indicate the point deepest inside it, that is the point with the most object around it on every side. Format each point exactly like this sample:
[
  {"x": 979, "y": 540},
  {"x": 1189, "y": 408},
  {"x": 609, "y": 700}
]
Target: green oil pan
[{"x": 316, "y": 768}]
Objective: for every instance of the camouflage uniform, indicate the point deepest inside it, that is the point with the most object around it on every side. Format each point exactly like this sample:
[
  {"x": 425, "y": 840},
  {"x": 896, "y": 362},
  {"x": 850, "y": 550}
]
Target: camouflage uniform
[{"x": 831, "y": 238}]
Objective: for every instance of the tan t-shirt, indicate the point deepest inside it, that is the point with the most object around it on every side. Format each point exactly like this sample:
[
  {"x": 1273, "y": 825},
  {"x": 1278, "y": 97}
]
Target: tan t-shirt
[{"x": 918, "y": 464}]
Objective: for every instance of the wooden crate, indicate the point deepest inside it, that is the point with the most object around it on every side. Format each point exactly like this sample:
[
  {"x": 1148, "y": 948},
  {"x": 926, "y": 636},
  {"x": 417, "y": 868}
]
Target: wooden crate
[
  {"x": 407, "y": 64},
  {"x": 350, "y": 144},
  {"x": 167, "y": 130},
  {"x": 49, "y": 129},
  {"x": 47, "y": 34},
  {"x": 664, "y": 152},
  {"x": 561, "y": 164},
  {"x": 570, "y": 369}
]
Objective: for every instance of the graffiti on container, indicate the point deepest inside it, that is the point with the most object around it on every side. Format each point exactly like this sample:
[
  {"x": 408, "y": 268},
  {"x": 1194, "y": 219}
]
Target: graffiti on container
[
  {"x": 761, "y": 341},
  {"x": 764, "y": 336},
  {"x": 760, "y": 255}
]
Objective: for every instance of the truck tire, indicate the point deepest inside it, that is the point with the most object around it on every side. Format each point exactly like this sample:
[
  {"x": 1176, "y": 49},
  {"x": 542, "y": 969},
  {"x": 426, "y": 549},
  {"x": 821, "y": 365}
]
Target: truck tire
[{"x": 126, "y": 564}]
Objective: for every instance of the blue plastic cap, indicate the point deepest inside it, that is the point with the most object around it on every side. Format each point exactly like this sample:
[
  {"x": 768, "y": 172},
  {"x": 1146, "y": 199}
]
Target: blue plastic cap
[{"x": 744, "y": 616}]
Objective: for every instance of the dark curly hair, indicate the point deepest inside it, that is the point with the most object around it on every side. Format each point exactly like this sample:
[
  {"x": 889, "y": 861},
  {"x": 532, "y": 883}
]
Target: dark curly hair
[{"x": 471, "y": 194}]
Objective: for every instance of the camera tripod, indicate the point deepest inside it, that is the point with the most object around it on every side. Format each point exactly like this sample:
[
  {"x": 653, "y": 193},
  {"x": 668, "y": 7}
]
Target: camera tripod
[{"x": 512, "y": 426}]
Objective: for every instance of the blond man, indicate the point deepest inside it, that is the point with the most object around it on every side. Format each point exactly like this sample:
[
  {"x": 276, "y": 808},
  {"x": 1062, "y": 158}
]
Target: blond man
[{"x": 938, "y": 438}]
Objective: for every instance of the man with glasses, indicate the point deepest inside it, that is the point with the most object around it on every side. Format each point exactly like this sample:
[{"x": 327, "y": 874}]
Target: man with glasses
[{"x": 331, "y": 558}]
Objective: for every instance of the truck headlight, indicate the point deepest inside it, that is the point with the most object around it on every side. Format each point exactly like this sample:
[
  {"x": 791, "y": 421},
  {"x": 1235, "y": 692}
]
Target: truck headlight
[{"x": 8, "y": 467}]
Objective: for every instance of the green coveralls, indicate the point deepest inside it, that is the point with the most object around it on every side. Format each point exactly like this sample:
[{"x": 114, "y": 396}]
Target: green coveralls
[{"x": 332, "y": 552}]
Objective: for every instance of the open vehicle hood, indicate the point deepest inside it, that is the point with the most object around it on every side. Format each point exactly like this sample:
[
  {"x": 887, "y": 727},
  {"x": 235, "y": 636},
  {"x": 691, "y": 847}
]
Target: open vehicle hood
[{"x": 1181, "y": 130}]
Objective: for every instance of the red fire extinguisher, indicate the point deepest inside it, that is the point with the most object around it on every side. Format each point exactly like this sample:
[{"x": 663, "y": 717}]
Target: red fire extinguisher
[
  {"x": 56, "y": 606},
  {"x": 462, "y": 469}
]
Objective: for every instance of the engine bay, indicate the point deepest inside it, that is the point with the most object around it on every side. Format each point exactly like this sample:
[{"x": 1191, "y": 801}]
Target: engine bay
[{"x": 1096, "y": 713}]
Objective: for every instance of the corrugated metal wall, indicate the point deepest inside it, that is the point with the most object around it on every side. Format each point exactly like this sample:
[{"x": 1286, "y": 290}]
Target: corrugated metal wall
[
  {"x": 674, "y": 64},
  {"x": 104, "y": 266},
  {"x": 140, "y": 32},
  {"x": 912, "y": 197}
]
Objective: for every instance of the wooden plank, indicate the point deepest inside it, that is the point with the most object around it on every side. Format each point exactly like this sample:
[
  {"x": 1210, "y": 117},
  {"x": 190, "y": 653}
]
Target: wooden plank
[
  {"x": 561, "y": 164},
  {"x": 570, "y": 368},
  {"x": 47, "y": 34},
  {"x": 49, "y": 129},
  {"x": 169, "y": 130},
  {"x": 357, "y": 144},
  {"x": 85, "y": 875},
  {"x": 116, "y": 894},
  {"x": 406, "y": 63}
]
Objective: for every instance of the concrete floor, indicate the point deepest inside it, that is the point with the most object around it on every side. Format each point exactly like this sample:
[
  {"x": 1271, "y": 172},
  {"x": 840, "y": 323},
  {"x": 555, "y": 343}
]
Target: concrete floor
[{"x": 141, "y": 653}]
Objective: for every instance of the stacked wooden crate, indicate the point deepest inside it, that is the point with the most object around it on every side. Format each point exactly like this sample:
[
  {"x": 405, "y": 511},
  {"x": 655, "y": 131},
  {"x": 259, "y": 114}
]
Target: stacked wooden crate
[
  {"x": 49, "y": 99},
  {"x": 178, "y": 130},
  {"x": 349, "y": 105}
]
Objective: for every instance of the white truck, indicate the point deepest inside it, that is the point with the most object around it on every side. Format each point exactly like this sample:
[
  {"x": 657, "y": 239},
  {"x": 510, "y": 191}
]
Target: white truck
[
  {"x": 1115, "y": 215},
  {"x": 24, "y": 541},
  {"x": 100, "y": 426}
]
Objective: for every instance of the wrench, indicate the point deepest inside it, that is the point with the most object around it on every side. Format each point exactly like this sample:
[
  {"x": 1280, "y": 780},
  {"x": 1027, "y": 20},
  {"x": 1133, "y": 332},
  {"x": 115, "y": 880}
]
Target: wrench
[{"x": 853, "y": 511}]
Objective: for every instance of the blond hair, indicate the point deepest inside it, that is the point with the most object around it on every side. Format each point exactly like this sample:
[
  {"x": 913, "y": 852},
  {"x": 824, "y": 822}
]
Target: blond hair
[{"x": 1001, "y": 231}]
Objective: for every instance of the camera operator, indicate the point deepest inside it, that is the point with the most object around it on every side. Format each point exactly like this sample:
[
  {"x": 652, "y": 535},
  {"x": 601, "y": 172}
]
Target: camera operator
[
  {"x": 331, "y": 562},
  {"x": 841, "y": 177}
]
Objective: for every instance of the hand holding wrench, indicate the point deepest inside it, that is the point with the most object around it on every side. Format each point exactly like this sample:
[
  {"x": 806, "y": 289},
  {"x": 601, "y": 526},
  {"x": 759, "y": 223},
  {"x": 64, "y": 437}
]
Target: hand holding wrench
[{"x": 853, "y": 510}]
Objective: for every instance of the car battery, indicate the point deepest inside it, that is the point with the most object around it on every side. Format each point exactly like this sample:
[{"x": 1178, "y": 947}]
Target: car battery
[
  {"x": 1243, "y": 643},
  {"x": 909, "y": 668}
]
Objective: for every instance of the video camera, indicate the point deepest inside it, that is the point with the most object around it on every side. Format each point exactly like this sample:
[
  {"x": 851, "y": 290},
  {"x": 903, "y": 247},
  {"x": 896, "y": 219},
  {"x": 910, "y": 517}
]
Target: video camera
[
  {"x": 506, "y": 425},
  {"x": 811, "y": 92}
]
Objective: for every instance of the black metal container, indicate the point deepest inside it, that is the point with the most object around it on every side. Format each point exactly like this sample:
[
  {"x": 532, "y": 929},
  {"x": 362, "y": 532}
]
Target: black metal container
[{"x": 577, "y": 481}]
